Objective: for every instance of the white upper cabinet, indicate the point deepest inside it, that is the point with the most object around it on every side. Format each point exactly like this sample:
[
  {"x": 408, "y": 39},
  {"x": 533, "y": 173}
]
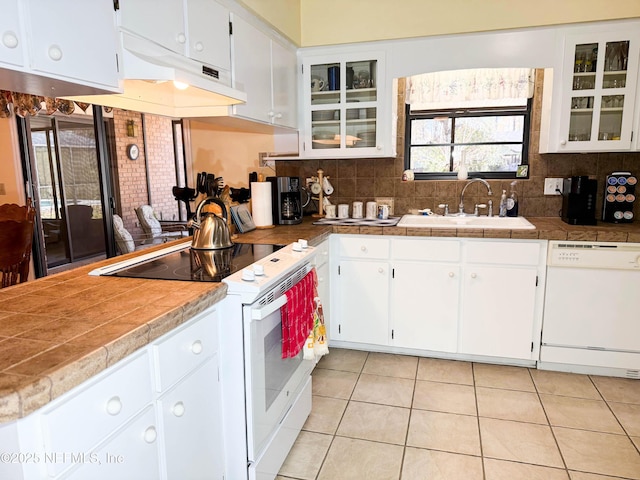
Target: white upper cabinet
[
  {"x": 266, "y": 71},
  {"x": 196, "y": 29},
  {"x": 84, "y": 49},
  {"x": 346, "y": 105},
  {"x": 39, "y": 37},
  {"x": 12, "y": 36},
  {"x": 594, "y": 92}
]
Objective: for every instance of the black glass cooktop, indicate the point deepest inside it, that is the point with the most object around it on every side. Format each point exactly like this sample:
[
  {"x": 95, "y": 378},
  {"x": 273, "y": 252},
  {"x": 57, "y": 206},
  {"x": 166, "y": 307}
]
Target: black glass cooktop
[{"x": 199, "y": 265}]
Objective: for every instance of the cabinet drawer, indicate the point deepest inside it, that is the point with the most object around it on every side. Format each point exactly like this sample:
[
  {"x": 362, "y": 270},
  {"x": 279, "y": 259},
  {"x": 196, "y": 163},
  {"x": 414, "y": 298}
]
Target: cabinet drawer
[
  {"x": 86, "y": 415},
  {"x": 426, "y": 249},
  {"x": 503, "y": 253},
  {"x": 363, "y": 247},
  {"x": 181, "y": 351}
]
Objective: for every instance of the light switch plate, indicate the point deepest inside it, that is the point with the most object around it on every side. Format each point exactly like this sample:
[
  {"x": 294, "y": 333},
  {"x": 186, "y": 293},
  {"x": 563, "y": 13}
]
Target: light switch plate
[{"x": 553, "y": 186}]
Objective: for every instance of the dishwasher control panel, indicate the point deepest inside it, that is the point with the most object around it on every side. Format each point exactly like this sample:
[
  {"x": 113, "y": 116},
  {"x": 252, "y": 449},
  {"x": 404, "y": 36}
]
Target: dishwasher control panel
[{"x": 610, "y": 255}]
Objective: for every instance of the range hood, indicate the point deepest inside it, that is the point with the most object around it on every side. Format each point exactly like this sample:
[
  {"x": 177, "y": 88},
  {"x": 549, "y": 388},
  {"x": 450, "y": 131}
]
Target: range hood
[{"x": 150, "y": 75}]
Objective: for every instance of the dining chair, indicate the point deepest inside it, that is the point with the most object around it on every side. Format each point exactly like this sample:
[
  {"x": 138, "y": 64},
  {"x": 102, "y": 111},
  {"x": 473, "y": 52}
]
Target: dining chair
[
  {"x": 153, "y": 228},
  {"x": 16, "y": 238},
  {"x": 15, "y": 251}
]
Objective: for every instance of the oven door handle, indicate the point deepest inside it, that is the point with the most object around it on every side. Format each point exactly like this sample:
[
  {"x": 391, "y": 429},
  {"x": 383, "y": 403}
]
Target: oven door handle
[{"x": 264, "y": 312}]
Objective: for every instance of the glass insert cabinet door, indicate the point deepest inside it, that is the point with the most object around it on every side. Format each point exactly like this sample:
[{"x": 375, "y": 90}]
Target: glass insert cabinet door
[
  {"x": 343, "y": 105},
  {"x": 602, "y": 92}
]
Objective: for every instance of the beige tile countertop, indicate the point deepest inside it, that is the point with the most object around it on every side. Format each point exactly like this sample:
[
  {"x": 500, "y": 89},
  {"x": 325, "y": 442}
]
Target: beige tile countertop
[{"x": 58, "y": 331}]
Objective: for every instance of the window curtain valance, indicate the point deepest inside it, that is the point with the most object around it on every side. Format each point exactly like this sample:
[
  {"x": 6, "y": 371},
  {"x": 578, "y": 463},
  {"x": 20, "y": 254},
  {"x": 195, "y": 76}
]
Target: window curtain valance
[{"x": 470, "y": 88}]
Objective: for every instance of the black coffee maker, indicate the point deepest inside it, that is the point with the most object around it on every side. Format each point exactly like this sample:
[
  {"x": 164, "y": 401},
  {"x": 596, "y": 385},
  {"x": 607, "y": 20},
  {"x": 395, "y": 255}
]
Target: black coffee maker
[
  {"x": 579, "y": 200},
  {"x": 286, "y": 198}
]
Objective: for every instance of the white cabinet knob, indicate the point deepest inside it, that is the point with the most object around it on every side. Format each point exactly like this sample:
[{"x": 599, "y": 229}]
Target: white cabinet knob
[
  {"x": 271, "y": 114},
  {"x": 10, "y": 40},
  {"x": 378, "y": 147},
  {"x": 451, "y": 274},
  {"x": 278, "y": 115},
  {"x": 380, "y": 270},
  {"x": 473, "y": 275},
  {"x": 196, "y": 347},
  {"x": 363, "y": 248},
  {"x": 320, "y": 279},
  {"x": 55, "y": 53},
  {"x": 150, "y": 435},
  {"x": 199, "y": 46},
  {"x": 563, "y": 142},
  {"x": 114, "y": 406},
  {"x": 181, "y": 38},
  {"x": 178, "y": 409}
]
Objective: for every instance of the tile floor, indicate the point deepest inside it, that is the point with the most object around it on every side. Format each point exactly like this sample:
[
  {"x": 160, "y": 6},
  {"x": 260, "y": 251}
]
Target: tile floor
[{"x": 381, "y": 416}]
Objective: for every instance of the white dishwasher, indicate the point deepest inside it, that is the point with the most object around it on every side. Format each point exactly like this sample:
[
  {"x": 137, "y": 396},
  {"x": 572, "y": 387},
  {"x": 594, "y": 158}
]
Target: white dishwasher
[{"x": 591, "y": 320}]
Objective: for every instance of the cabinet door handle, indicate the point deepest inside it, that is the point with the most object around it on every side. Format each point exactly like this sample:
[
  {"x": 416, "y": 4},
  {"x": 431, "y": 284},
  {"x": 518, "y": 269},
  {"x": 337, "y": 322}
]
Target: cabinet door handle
[
  {"x": 380, "y": 270},
  {"x": 199, "y": 46},
  {"x": 150, "y": 434},
  {"x": 181, "y": 38},
  {"x": 114, "y": 405},
  {"x": 451, "y": 274},
  {"x": 363, "y": 248},
  {"x": 196, "y": 347},
  {"x": 55, "y": 53},
  {"x": 178, "y": 409},
  {"x": 10, "y": 40},
  {"x": 563, "y": 142},
  {"x": 473, "y": 275}
]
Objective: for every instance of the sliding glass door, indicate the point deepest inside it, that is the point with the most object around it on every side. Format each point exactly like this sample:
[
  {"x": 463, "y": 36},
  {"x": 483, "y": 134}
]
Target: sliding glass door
[{"x": 66, "y": 178}]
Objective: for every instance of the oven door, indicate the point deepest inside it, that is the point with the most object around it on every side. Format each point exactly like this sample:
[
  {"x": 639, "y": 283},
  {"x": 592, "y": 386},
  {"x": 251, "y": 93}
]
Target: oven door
[{"x": 273, "y": 383}]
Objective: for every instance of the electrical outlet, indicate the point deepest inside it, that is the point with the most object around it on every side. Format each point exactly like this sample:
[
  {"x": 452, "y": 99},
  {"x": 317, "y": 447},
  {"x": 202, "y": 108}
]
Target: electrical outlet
[
  {"x": 264, "y": 162},
  {"x": 553, "y": 186}
]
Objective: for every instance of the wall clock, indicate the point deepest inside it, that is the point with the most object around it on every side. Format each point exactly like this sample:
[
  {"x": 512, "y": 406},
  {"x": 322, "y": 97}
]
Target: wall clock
[{"x": 133, "y": 151}]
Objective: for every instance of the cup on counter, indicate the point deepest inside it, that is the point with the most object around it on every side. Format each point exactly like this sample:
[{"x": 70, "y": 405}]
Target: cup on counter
[
  {"x": 372, "y": 210},
  {"x": 330, "y": 211},
  {"x": 383, "y": 212},
  {"x": 343, "y": 210},
  {"x": 357, "y": 210}
]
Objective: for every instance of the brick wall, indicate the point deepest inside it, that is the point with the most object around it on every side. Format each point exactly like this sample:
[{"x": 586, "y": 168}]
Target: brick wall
[{"x": 132, "y": 174}]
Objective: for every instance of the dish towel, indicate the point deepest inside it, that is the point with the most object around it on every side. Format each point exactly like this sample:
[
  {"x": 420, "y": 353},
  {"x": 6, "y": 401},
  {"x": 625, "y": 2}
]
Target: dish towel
[
  {"x": 297, "y": 315},
  {"x": 317, "y": 342}
]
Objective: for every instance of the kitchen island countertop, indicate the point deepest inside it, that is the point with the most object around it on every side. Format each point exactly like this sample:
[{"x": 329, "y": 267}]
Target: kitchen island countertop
[{"x": 59, "y": 331}]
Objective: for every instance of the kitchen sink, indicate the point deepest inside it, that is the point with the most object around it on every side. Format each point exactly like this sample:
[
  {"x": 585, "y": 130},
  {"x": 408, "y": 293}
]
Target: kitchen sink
[{"x": 454, "y": 221}]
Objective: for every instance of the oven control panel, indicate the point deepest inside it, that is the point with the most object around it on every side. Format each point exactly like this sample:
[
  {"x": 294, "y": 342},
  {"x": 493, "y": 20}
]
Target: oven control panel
[{"x": 268, "y": 271}]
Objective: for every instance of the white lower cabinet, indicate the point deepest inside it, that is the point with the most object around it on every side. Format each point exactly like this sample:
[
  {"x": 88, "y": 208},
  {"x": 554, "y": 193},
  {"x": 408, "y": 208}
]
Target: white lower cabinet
[
  {"x": 131, "y": 454},
  {"x": 360, "y": 290},
  {"x": 362, "y": 303},
  {"x": 424, "y": 299},
  {"x": 458, "y": 296},
  {"x": 191, "y": 423},
  {"x": 497, "y": 313},
  {"x": 425, "y": 292},
  {"x": 122, "y": 424}
]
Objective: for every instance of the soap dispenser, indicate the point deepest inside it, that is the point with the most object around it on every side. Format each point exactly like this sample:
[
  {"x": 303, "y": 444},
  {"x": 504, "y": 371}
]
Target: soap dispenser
[
  {"x": 512, "y": 201},
  {"x": 503, "y": 204}
]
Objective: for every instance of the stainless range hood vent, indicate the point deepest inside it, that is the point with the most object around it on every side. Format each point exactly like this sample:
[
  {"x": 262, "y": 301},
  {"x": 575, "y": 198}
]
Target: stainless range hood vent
[{"x": 149, "y": 75}]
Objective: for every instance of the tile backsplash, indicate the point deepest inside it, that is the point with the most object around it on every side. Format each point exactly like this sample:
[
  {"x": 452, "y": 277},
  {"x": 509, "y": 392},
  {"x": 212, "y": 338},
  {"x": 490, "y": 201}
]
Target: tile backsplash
[{"x": 365, "y": 179}]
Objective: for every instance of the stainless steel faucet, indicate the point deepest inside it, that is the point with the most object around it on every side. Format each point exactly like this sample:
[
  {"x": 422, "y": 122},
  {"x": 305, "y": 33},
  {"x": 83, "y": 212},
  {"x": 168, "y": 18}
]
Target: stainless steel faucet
[{"x": 473, "y": 180}]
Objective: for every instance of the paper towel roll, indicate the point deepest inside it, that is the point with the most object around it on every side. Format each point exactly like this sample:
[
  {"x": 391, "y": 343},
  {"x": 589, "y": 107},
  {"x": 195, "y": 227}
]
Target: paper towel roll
[{"x": 261, "y": 209}]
